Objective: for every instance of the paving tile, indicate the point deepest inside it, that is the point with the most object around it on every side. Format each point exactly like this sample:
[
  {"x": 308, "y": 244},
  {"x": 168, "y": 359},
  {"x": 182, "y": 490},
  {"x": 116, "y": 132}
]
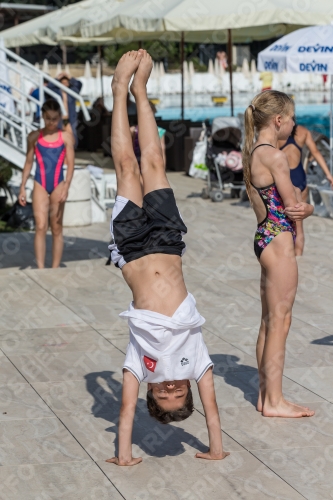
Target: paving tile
[
  {"x": 66, "y": 481},
  {"x": 8, "y": 373},
  {"x": 308, "y": 470},
  {"x": 19, "y": 401},
  {"x": 321, "y": 321},
  {"x": 60, "y": 340},
  {"x": 316, "y": 378},
  {"x": 256, "y": 432},
  {"x": 39, "y": 317},
  {"x": 36, "y": 441},
  {"x": 46, "y": 367},
  {"x": 238, "y": 476},
  {"x": 24, "y": 334},
  {"x": 97, "y": 393}
]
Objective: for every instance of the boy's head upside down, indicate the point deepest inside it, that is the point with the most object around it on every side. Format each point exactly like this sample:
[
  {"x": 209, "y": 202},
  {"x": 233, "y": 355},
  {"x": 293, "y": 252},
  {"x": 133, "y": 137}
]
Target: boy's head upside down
[{"x": 170, "y": 401}]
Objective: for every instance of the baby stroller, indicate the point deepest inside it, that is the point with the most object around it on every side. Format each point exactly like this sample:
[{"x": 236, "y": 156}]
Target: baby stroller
[{"x": 224, "y": 160}]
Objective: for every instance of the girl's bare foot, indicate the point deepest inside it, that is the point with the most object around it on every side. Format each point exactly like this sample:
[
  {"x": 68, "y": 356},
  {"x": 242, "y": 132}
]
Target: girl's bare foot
[
  {"x": 259, "y": 405},
  {"x": 126, "y": 67},
  {"x": 142, "y": 74},
  {"x": 284, "y": 409}
]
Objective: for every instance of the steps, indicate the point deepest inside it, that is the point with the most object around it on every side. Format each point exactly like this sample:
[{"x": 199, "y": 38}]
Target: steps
[{"x": 16, "y": 122}]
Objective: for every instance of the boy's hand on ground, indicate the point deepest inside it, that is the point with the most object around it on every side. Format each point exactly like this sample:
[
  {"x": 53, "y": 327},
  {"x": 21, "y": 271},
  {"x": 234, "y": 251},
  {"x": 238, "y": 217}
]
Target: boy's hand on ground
[
  {"x": 212, "y": 456},
  {"x": 124, "y": 463}
]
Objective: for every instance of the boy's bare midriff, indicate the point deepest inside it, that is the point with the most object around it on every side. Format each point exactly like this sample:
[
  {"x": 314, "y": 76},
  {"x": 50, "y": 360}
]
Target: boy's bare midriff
[{"x": 157, "y": 282}]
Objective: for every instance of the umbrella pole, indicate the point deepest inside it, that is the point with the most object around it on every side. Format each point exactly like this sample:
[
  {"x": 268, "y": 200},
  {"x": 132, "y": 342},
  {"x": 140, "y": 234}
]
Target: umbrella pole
[
  {"x": 101, "y": 68},
  {"x": 182, "y": 73},
  {"x": 230, "y": 71},
  {"x": 331, "y": 126}
]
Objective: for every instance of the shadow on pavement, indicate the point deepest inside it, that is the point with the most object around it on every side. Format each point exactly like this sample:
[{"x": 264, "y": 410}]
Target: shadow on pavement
[
  {"x": 17, "y": 250},
  {"x": 152, "y": 437},
  {"x": 244, "y": 377},
  {"x": 324, "y": 341}
]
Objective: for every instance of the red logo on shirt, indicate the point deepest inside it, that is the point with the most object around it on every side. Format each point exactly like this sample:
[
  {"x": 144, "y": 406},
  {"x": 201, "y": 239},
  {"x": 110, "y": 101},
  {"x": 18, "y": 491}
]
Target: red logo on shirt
[{"x": 150, "y": 363}]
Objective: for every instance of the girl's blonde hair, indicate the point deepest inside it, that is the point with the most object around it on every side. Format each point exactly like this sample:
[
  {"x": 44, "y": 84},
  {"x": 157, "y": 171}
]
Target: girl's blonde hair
[{"x": 257, "y": 115}]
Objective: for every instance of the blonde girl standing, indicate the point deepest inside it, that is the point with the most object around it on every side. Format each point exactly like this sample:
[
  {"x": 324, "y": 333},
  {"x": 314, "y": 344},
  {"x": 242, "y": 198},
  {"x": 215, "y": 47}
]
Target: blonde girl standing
[{"x": 277, "y": 205}]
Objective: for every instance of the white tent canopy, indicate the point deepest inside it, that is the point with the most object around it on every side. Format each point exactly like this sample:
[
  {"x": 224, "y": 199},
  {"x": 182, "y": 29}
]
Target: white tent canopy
[
  {"x": 120, "y": 21},
  {"x": 309, "y": 50}
]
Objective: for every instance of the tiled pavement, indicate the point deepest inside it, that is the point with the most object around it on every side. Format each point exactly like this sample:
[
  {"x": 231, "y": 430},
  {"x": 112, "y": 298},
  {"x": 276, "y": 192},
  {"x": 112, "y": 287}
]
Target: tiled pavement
[{"x": 61, "y": 352}]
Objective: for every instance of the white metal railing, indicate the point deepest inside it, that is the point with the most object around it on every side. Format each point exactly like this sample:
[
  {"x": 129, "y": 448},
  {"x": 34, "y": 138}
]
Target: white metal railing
[{"x": 15, "y": 127}]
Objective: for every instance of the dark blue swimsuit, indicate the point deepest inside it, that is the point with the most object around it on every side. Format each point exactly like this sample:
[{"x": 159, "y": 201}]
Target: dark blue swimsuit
[
  {"x": 50, "y": 157},
  {"x": 297, "y": 175}
]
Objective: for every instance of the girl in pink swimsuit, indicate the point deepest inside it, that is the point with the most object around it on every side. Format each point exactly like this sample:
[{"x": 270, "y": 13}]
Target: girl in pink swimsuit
[{"x": 50, "y": 147}]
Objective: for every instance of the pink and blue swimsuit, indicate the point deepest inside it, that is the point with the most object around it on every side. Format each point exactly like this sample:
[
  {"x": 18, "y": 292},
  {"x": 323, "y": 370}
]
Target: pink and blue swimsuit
[{"x": 50, "y": 157}]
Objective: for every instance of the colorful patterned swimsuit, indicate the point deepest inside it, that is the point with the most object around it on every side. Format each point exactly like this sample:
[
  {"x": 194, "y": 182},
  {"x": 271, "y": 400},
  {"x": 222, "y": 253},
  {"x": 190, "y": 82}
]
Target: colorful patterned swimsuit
[{"x": 275, "y": 222}]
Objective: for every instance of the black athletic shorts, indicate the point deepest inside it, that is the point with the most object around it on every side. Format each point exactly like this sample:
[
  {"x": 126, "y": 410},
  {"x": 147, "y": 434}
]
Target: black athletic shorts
[{"x": 157, "y": 227}]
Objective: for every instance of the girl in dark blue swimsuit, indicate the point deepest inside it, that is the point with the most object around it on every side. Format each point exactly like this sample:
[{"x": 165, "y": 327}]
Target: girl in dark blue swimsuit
[
  {"x": 293, "y": 147},
  {"x": 269, "y": 119},
  {"x": 297, "y": 175}
]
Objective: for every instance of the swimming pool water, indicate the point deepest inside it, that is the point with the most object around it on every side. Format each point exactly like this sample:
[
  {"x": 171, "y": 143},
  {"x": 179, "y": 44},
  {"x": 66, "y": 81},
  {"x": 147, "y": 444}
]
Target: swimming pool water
[{"x": 315, "y": 117}]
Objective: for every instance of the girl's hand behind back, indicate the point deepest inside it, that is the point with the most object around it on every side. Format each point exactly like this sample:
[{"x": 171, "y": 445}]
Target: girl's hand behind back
[{"x": 299, "y": 212}]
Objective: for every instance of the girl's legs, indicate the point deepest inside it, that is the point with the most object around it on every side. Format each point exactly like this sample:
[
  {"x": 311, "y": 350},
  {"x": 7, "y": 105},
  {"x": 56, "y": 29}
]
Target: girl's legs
[
  {"x": 263, "y": 330},
  {"x": 126, "y": 165},
  {"x": 40, "y": 205},
  {"x": 280, "y": 278},
  {"x": 262, "y": 336},
  {"x": 56, "y": 216},
  {"x": 152, "y": 161}
]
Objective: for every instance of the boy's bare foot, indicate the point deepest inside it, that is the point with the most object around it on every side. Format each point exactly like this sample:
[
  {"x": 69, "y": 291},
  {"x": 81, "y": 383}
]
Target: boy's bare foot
[
  {"x": 284, "y": 409},
  {"x": 142, "y": 74},
  {"x": 126, "y": 67}
]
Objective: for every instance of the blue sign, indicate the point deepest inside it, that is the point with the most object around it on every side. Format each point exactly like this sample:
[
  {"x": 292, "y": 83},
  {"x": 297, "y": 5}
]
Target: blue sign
[
  {"x": 315, "y": 48},
  {"x": 280, "y": 48},
  {"x": 314, "y": 66},
  {"x": 271, "y": 65}
]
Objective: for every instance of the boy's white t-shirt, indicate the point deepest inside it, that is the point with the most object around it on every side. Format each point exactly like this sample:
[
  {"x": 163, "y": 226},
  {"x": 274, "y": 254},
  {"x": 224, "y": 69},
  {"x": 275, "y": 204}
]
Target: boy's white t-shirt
[{"x": 164, "y": 348}]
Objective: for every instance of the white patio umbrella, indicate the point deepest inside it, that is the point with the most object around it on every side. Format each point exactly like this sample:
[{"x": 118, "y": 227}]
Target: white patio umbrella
[
  {"x": 308, "y": 50},
  {"x": 113, "y": 21},
  {"x": 253, "y": 67}
]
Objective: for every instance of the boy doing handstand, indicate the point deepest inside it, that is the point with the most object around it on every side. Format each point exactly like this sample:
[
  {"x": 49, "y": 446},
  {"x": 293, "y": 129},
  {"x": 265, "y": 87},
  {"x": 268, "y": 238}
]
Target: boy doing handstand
[{"x": 166, "y": 347}]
